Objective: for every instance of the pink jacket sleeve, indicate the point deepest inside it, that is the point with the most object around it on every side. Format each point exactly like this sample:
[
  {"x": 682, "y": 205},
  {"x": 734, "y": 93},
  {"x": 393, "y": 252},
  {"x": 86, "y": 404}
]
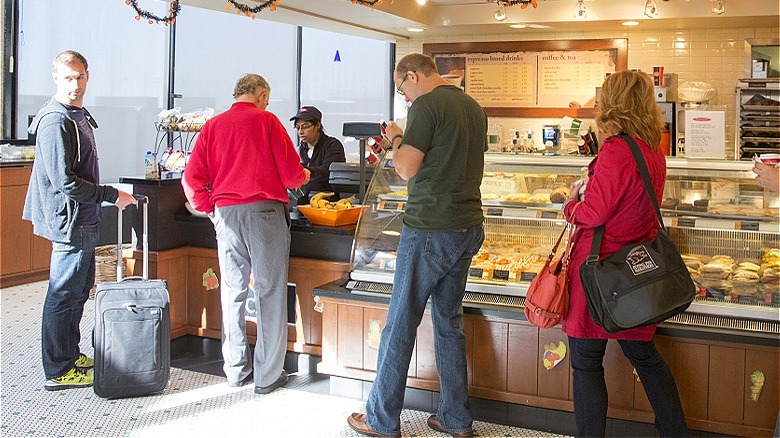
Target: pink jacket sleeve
[{"x": 196, "y": 179}]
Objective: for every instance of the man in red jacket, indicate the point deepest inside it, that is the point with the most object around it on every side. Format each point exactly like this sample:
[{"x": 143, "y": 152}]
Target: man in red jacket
[{"x": 239, "y": 172}]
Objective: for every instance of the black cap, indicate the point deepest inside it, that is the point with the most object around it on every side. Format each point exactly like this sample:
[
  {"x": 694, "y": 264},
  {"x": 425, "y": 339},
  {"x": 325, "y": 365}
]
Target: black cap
[{"x": 309, "y": 113}]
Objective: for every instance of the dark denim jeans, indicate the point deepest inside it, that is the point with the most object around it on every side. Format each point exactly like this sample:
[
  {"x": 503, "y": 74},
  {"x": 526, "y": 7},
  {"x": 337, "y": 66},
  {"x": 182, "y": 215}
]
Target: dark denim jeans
[
  {"x": 590, "y": 390},
  {"x": 435, "y": 265},
  {"x": 71, "y": 276}
]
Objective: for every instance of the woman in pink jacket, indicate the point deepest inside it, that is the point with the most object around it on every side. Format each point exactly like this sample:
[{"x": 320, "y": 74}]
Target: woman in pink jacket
[{"x": 616, "y": 198}]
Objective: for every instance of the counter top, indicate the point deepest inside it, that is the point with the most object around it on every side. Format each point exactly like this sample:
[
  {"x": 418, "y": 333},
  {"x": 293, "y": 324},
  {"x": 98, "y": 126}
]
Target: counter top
[
  {"x": 16, "y": 163},
  {"x": 154, "y": 182}
]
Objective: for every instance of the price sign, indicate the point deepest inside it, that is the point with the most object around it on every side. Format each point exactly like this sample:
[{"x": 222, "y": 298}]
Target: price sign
[
  {"x": 475, "y": 272},
  {"x": 685, "y": 222},
  {"x": 527, "y": 276},
  {"x": 495, "y": 212},
  {"x": 500, "y": 274},
  {"x": 747, "y": 225},
  {"x": 549, "y": 215}
]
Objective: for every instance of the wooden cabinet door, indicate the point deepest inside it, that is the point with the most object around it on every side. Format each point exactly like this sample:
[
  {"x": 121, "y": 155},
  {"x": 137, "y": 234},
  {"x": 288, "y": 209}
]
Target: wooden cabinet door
[
  {"x": 373, "y": 324},
  {"x": 726, "y": 390},
  {"x": 15, "y": 233},
  {"x": 522, "y": 372},
  {"x": 204, "y": 307},
  {"x": 763, "y": 411},
  {"x": 490, "y": 363},
  {"x": 553, "y": 383},
  {"x": 172, "y": 267},
  {"x": 690, "y": 366}
]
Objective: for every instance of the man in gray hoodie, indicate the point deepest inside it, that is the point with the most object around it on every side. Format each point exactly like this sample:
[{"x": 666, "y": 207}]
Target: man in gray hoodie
[{"x": 63, "y": 204}]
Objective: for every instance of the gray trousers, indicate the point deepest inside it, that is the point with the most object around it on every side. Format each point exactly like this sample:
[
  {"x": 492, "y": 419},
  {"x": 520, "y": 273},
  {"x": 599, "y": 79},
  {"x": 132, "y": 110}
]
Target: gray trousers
[{"x": 254, "y": 238}]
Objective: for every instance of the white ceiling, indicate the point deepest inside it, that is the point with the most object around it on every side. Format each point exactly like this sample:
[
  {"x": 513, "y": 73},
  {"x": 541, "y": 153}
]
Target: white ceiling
[{"x": 391, "y": 19}]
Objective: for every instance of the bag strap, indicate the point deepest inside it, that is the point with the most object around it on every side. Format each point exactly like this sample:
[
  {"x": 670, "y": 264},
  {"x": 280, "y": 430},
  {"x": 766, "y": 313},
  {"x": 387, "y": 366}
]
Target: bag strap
[
  {"x": 554, "y": 249},
  {"x": 598, "y": 233}
]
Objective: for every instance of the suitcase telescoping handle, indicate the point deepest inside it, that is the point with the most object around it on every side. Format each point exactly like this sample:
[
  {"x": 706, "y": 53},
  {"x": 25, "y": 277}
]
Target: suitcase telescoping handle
[{"x": 142, "y": 200}]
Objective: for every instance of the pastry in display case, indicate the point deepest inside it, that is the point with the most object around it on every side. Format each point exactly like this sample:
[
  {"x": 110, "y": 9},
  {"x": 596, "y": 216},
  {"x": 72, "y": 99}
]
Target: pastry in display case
[{"x": 725, "y": 225}]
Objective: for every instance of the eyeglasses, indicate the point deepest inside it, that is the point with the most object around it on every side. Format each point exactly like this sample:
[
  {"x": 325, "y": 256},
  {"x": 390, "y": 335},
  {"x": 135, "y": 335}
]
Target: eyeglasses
[
  {"x": 303, "y": 127},
  {"x": 398, "y": 88}
]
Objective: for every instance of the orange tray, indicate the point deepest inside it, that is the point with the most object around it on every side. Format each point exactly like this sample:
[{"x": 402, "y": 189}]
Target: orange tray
[{"x": 331, "y": 218}]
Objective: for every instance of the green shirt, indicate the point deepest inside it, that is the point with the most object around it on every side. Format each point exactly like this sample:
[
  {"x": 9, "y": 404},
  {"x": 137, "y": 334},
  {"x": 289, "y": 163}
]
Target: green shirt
[{"x": 450, "y": 127}]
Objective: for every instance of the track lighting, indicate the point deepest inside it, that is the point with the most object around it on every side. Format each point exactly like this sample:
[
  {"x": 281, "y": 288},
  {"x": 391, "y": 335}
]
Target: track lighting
[
  {"x": 500, "y": 13},
  {"x": 718, "y": 7},
  {"x": 651, "y": 9},
  {"x": 581, "y": 13}
]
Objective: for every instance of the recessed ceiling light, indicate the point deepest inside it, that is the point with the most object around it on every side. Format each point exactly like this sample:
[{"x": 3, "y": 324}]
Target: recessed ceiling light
[
  {"x": 421, "y": 2},
  {"x": 630, "y": 23},
  {"x": 416, "y": 29},
  {"x": 518, "y": 26}
]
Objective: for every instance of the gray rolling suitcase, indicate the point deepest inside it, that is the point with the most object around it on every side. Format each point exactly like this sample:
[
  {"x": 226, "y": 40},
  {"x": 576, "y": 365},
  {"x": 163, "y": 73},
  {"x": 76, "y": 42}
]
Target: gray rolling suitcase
[{"x": 132, "y": 330}]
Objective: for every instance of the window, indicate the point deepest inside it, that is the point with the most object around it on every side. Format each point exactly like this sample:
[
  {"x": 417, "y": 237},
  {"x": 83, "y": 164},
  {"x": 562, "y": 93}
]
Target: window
[
  {"x": 127, "y": 70},
  {"x": 347, "y": 78},
  {"x": 214, "y": 49}
]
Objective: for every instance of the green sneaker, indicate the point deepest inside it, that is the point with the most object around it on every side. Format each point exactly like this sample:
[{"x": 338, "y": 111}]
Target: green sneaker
[
  {"x": 75, "y": 378},
  {"x": 85, "y": 361}
]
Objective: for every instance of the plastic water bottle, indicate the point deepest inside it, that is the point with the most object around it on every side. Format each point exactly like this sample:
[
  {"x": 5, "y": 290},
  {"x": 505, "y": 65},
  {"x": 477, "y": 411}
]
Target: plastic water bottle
[{"x": 150, "y": 165}]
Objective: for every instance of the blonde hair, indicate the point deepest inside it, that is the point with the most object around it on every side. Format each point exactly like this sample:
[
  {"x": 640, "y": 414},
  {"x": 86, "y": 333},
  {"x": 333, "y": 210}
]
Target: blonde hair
[
  {"x": 416, "y": 62},
  {"x": 627, "y": 104},
  {"x": 69, "y": 57},
  {"x": 250, "y": 84}
]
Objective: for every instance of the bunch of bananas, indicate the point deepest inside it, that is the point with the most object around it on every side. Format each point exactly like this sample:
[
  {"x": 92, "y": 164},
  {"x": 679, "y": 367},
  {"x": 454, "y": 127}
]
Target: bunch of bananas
[{"x": 319, "y": 201}]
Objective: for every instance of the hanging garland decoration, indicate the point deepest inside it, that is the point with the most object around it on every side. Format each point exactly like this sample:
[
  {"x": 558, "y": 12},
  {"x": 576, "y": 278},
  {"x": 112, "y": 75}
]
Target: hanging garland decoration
[
  {"x": 523, "y": 3},
  {"x": 173, "y": 11},
  {"x": 370, "y": 3},
  {"x": 250, "y": 12}
]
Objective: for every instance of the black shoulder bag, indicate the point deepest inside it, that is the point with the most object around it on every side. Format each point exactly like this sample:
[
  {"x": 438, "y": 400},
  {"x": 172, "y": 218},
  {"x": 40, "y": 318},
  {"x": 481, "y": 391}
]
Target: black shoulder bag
[{"x": 640, "y": 284}]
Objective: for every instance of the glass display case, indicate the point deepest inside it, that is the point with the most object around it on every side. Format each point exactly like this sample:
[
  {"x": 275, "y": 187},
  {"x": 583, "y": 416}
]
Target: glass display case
[{"x": 725, "y": 225}]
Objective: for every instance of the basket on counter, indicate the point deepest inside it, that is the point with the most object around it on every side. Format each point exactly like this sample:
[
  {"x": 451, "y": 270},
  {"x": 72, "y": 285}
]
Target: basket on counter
[
  {"x": 105, "y": 265},
  {"x": 332, "y": 218}
]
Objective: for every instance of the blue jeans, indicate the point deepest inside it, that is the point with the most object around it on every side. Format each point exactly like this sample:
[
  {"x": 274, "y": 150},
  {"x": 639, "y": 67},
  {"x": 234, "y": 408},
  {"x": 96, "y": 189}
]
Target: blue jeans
[
  {"x": 71, "y": 276},
  {"x": 590, "y": 390},
  {"x": 435, "y": 265}
]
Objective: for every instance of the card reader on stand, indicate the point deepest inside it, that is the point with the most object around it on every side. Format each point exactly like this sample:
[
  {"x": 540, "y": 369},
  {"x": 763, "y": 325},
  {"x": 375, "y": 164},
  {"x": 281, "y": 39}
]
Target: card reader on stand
[{"x": 362, "y": 131}]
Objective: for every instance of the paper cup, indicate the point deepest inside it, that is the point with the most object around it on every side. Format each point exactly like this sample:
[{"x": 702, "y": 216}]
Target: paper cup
[
  {"x": 770, "y": 159},
  {"x": 453, "y": 79}
]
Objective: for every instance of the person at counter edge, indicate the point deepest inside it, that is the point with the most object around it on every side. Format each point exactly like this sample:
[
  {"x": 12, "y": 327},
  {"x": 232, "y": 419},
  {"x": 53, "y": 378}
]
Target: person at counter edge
[
  {"x": 441, "y": 154},
  {"x": 317, "y": 150},
  {"x": 63, "y": 203},
  {"x": 616, "y": 197},
  {"x": 767, "y": 175},
  {"x": 240, "y": 168}
]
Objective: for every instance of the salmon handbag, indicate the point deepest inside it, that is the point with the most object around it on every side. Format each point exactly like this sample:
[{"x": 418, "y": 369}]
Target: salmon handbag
[{"x": 547, "y": 299}]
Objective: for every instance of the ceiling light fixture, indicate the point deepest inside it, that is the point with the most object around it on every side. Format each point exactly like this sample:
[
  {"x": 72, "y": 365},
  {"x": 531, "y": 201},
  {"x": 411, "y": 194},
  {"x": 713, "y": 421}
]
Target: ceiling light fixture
[
  {"x": 581, "y": 13},
  {"x": 718, "y": 7},
  {"x": 651, "y": 9},
  {"x": 421, "y": 2},
  {"x": 518, "y": 26},
  {"x": 415, "y": 29},
  {"x": 630, "y": 23},
  {"x": 500, "y": 14}
]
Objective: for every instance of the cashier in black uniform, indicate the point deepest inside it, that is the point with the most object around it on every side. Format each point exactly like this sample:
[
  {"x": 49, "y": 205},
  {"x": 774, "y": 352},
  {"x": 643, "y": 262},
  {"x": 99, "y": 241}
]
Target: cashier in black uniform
[{"x": 317, "y": 150}]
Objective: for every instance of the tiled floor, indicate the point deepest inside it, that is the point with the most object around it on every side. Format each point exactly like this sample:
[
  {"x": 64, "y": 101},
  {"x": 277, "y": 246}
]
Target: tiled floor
[{"x": 195, "y": 404}]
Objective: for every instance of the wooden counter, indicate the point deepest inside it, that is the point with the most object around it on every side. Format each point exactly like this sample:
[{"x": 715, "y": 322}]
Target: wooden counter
[
  {"x": 24, "y": 257},
  {"x": 505, "y": 356}
]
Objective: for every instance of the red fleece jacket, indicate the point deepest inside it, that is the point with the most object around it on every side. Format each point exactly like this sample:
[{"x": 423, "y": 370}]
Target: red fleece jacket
[
  {"x": 616, "y": 198},
  {"x": 243, "y": 155}
]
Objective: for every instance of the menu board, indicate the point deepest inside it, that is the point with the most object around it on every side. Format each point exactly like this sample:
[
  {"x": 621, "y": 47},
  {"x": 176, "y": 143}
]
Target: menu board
[
  {"x": 521, "y": 79},
  {"x": 542, "y": 74}
]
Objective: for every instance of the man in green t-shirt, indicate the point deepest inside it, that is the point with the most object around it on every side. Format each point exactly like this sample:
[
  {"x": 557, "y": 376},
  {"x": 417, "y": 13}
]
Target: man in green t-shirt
[{"x": 441, "y": 155}]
